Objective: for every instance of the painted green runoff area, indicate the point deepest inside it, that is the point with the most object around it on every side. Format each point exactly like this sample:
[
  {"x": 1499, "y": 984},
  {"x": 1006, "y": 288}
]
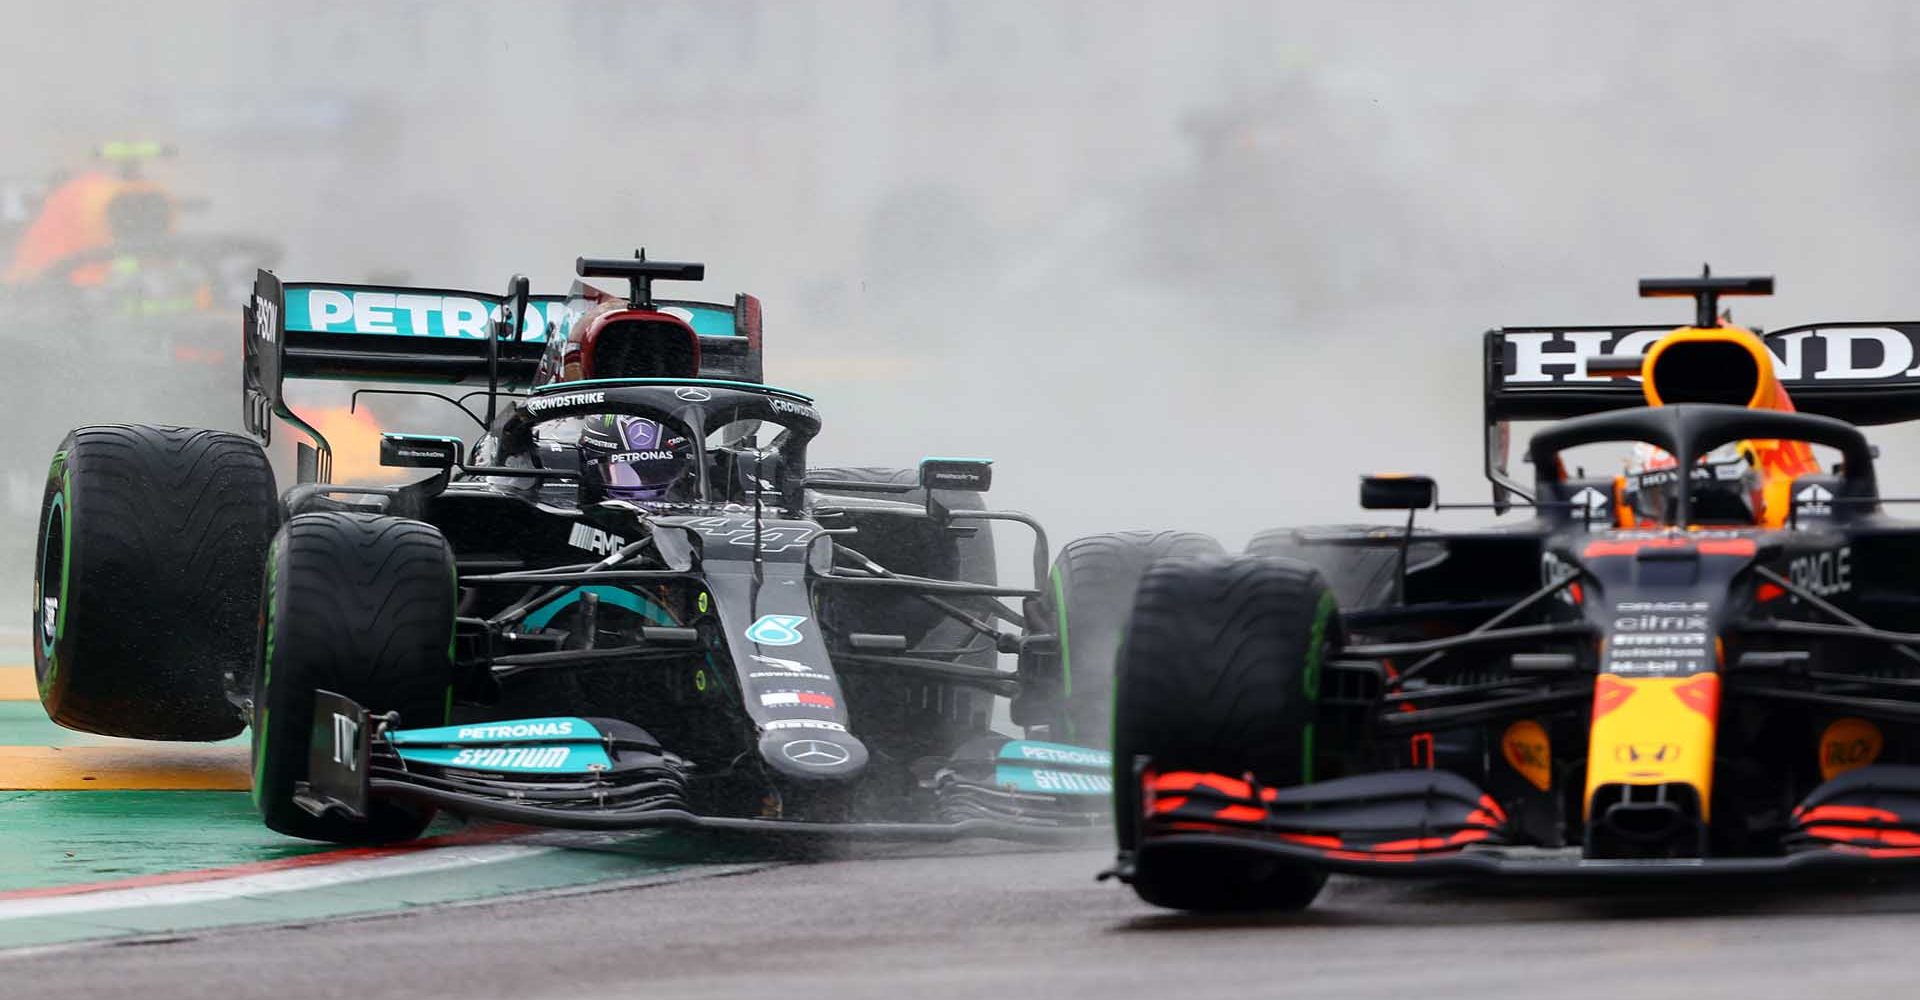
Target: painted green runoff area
[
  {"x": 25, "y": 724},
  {"x": 55, "y": 839},
  {"x": 70, "y": 837},
  {"x": 542, "y": 870},
  {"x": 67, "y": 838}
]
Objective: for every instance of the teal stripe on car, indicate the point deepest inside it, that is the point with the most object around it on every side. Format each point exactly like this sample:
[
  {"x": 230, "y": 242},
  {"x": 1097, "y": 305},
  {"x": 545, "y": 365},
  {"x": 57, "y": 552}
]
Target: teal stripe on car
[{"x": 618, "y": 597}]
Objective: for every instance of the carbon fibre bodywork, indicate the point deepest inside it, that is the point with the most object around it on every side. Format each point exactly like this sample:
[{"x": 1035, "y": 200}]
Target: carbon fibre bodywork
[
  {"x": 707, "y": 655},
  {"x": 1587, "y": 693}
]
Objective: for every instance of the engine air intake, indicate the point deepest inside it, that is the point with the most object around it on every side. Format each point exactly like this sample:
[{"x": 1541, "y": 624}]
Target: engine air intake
[
  {"x": 641, "y": 346},
  {"x": 1723, "y": 366}
]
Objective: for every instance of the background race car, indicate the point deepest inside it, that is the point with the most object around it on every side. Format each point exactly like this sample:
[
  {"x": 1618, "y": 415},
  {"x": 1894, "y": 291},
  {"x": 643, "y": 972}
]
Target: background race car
[{"x": 103, "y": 269}]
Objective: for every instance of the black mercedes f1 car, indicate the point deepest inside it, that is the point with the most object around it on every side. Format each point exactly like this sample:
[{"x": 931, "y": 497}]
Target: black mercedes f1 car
[
  {"x": 631, "y": 603},
  {"x": 1709, "y": 664}
]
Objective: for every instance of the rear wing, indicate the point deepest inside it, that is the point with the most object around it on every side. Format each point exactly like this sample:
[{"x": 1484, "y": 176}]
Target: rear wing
[
  {"x": 324, "y": 330},
  {"x": 327, "y": 330},
  {"x": 1865, "y": 373}
]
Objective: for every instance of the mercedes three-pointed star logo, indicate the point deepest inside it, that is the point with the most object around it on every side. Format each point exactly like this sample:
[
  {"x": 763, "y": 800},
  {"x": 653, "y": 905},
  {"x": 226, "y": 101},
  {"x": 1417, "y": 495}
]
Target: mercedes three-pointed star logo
[{"x": 816, "y": 753}]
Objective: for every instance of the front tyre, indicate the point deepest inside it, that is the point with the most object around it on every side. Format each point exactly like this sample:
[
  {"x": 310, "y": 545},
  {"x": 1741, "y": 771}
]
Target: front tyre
[
  {"x": 363, "y": 606},
  {"x": 147, "y": 579},
  {"x": 1221, "y": 674}
]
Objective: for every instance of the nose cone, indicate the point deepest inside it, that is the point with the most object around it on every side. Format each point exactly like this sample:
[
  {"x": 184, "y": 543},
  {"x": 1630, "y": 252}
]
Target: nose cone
[{"x": 813, "y": 754}]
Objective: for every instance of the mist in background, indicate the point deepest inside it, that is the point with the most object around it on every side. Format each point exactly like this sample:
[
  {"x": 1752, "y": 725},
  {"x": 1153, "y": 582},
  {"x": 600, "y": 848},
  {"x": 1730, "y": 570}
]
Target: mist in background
[{"x": 1194, "y": 264}]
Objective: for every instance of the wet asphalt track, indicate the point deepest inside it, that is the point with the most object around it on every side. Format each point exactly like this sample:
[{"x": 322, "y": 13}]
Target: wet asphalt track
[{"x": 960, "y": 923}]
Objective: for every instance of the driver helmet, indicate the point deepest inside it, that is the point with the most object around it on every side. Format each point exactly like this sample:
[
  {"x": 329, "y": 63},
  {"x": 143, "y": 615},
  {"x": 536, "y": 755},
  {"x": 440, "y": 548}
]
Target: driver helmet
[
  {"x": 624, "y": 457},
  {"x": 1726, "y": 486}
]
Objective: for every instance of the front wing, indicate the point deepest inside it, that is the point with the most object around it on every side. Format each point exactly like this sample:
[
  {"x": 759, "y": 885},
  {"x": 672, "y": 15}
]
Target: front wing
[
  {"x": 1419, "y": 823},
  {"x": 604, "y": 775},
  {"x": 1515, "y": 862}
]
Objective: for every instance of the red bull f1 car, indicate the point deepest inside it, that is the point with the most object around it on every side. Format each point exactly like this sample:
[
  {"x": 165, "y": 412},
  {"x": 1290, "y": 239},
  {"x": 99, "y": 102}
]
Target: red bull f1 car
[
  {"x": 629, "y": 603},
  {"x": 1709, "y": 664},
  {"x": 102, "y": 267}
]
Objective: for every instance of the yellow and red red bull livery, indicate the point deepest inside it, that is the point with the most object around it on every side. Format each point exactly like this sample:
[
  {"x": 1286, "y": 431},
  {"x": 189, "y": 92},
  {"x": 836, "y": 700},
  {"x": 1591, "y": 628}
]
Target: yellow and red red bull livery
[{"x": 1707, "y": 664}]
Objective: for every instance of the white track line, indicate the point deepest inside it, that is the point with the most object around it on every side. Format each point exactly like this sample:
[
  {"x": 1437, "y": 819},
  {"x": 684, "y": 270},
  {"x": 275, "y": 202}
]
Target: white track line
[{"x": 268, "y": 883}]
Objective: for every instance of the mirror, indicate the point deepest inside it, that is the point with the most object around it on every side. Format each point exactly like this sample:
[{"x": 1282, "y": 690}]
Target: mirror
[
  {"x": 419, "y": 451},
  {"x": 1393, "y": 491},
  {"x": 974, "y": 474}
]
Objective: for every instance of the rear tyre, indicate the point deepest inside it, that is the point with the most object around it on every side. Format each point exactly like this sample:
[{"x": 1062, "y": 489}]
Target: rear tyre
[
  {"x": 1089, "y": 596},
  {"x": 1360, "y": 562},
  {"x": 363, "y": 606},
  {"x": 147, "y": 579},
  {"x": 1221, "y": 674}
]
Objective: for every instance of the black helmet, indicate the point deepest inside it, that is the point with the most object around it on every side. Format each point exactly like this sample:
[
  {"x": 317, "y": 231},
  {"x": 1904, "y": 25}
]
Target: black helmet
[{"x": 625, "y": 457}]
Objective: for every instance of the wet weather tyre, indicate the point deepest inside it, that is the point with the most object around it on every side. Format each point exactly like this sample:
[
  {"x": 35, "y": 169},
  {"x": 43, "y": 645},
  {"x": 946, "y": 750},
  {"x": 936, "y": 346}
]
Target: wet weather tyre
[
  {"x": 1360, "y": 562},
  {"x": 147, "y": 579},
  {"x": 1221, "y": 674},
  {"x": 363, "y": 606},
  {"x": 1089, "y": 596}
]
